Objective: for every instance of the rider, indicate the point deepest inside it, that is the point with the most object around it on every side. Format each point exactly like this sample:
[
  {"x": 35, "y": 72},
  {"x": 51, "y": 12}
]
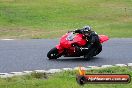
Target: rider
[{"x": 92, "y": 39}]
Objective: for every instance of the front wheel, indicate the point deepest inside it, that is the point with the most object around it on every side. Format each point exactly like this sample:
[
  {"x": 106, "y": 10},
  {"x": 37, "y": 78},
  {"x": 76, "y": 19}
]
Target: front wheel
[{"x": 53, "y": 54}]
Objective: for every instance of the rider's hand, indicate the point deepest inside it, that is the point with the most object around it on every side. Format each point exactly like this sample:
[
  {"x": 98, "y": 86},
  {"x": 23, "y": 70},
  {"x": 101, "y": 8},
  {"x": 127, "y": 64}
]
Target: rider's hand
[{"x": 77, "y": 31}]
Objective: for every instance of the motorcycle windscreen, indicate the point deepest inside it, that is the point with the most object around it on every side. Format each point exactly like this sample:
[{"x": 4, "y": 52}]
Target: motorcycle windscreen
[{"x": 103, "y": 38}]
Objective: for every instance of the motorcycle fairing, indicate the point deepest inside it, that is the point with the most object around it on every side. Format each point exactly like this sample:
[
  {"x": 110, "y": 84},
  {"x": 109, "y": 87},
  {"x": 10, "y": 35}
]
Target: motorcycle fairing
[
  {"x": 103, "y": 38},
  {"x": 66, "y": 44},
  {"x": 78, "y": 39}
]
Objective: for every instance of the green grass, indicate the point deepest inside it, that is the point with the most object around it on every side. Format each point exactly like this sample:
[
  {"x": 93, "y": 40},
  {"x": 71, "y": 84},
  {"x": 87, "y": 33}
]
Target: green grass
[
  {"x": 63, "y": 80},
  {"x": 52, "y": 18}
]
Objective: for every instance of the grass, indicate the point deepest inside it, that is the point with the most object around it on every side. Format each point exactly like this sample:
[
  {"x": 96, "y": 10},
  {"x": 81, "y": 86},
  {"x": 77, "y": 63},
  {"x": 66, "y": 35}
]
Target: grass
[
  {"x": 52, "y": 18},
  {"x": 47, "y": 18},
  {"x": 63, "y": 80}
]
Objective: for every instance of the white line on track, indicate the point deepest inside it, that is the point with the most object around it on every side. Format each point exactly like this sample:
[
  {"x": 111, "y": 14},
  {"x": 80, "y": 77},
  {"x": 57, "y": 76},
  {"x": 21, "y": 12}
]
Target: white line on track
[{"x": 7, "y": 39}]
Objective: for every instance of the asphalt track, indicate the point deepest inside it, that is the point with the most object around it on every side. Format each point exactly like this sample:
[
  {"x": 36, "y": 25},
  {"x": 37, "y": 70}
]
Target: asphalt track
[{"x": 22, "y": 55}]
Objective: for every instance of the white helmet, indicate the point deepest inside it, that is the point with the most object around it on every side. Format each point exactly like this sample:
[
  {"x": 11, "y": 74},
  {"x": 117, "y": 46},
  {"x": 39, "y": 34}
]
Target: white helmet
[{"x": 87, "y": 28}]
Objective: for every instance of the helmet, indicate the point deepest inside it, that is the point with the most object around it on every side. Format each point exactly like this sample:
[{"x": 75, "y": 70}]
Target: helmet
[{"x": 86, "y": 28}]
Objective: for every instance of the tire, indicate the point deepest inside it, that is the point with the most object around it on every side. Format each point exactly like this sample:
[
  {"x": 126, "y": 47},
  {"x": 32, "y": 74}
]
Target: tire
[
  {"x": 89, "y": 55},
  {"x": 98, "y": 50},
  {"x": 53, "y": 54}
]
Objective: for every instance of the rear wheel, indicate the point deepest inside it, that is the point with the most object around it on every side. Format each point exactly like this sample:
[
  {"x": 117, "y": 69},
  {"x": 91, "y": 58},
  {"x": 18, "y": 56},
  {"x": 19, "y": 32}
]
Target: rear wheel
[
  {"x": 53, "y": 54},
  {"x": 98, "y": 50},
  {"x": 89, "y": 55}
]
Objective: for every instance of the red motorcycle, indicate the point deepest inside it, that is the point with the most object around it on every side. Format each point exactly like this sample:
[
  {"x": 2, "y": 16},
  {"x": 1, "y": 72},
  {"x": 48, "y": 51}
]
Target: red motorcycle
[{"x": 68, "y": 43}]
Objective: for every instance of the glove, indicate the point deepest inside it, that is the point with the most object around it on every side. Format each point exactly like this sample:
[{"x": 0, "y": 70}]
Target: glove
[{"x": 77, "y": 31}]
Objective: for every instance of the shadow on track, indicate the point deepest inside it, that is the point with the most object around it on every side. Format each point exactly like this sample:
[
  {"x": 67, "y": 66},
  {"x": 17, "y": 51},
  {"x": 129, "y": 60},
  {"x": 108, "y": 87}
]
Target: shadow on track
[{"x": 75, "y": 59}]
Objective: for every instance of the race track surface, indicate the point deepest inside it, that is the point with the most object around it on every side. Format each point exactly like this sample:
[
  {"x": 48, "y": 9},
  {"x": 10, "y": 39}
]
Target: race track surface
[{"x": 21, "y": 55}]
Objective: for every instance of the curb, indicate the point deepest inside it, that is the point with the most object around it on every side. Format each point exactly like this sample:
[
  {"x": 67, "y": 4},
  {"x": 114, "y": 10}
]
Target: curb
[{"x": 51, "y": 71}]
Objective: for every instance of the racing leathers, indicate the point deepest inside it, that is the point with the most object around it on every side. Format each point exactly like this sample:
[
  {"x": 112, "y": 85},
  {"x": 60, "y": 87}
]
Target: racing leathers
[{"x": 93, "y": 45}]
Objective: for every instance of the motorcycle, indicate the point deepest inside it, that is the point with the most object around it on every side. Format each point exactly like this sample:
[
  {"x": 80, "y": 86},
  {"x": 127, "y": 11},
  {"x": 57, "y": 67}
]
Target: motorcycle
[{"x": 68, "y": 44}]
